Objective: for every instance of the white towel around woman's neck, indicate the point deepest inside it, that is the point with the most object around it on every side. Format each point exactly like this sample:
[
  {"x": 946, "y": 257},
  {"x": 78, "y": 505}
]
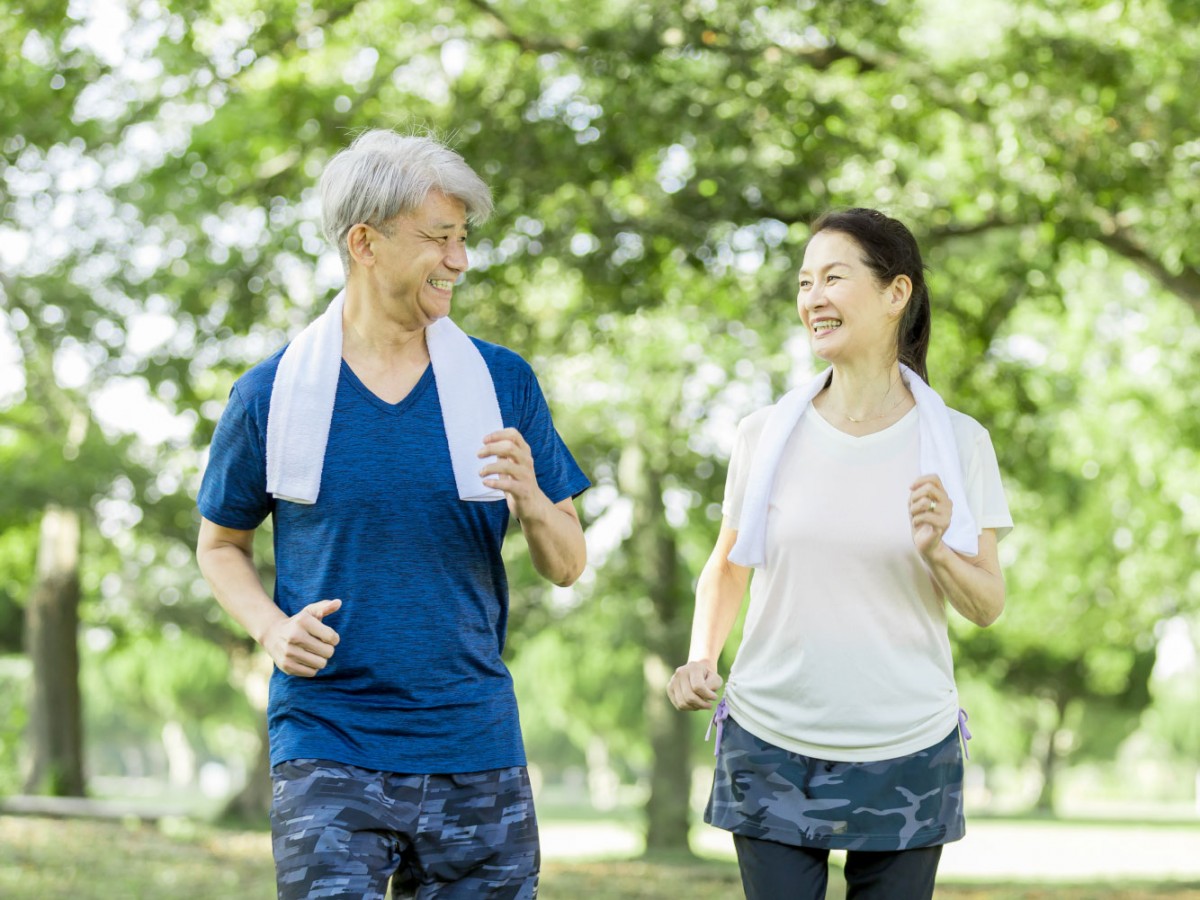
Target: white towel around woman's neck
[
  {"x": 938, "y": 456},
  {"x": 305, "y": 387}
]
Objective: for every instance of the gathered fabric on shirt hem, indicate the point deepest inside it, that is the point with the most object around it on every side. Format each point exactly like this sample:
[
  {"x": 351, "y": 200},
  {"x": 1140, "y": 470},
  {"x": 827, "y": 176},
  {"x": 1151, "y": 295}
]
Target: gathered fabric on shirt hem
[{"x": 928, "y": 735}]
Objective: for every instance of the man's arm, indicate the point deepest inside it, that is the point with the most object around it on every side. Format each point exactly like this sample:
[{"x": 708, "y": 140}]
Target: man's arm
[
  {"x": 552, "y": 530},
  {"x": 300, "y": 645}
]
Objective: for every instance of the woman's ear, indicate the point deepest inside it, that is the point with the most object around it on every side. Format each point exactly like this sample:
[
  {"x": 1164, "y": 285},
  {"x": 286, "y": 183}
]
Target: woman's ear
[{"x": 899, "y": 293}]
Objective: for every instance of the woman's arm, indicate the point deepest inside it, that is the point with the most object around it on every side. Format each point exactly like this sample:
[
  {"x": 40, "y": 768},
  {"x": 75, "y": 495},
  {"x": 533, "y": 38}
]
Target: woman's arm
[
  {"x": 974, "y": 585},
  {"x": 719, "y": 594}
]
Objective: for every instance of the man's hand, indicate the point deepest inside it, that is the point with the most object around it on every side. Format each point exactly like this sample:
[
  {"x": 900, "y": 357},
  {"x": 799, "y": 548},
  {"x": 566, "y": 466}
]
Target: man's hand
[
  {"x": 694, "y": 685},
  {"x": 512, "y": 472},
  {"x": 303, "y": 644}
]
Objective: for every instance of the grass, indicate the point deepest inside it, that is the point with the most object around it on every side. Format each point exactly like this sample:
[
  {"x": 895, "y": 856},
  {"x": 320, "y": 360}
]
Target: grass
[{"x": 82, "y": 859}]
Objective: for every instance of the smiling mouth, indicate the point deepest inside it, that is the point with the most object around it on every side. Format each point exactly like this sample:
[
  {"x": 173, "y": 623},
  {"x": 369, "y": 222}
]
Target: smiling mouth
[
  {"x": 826, "y": 325},
  {"x": 442, "y": 284}
]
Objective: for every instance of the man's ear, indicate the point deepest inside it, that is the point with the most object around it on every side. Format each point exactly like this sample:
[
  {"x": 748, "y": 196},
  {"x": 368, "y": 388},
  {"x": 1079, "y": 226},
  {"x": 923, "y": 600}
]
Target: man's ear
[
  {"x": 359, "y": 241},
  {"x": 899, "y": 293}
]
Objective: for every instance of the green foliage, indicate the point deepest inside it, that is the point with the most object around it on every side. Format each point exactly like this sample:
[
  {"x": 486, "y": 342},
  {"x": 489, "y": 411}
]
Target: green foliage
[
  {"x": 14, "y": 685},
  {"x": 653, "y": 165}
]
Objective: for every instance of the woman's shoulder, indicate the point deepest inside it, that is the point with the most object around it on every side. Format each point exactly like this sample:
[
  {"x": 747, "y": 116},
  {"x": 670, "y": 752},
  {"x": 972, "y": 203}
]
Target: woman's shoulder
[
  {"x": 968, "y": 433},
  {"x": 750, "y": 428}
]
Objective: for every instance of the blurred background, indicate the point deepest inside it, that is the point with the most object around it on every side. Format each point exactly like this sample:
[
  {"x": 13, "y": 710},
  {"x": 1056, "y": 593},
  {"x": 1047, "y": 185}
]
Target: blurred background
[{"x": 654, "y": 166}]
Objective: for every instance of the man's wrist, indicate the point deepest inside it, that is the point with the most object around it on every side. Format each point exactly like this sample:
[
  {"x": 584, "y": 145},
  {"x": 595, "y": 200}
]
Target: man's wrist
[{"x": 538, "y": 511}]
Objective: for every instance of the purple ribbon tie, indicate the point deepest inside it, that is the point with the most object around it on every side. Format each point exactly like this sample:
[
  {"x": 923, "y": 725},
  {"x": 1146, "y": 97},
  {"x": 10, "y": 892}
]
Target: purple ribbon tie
[
  {"x": 720, "y": 714},
  {"x": 962, "y": 730}
]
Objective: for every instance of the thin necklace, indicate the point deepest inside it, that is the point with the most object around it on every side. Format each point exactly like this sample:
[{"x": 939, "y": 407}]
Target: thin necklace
[{"x": 887, "y": 411}]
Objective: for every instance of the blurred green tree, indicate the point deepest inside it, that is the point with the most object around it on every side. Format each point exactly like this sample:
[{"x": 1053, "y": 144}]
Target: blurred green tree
[{"x": 654, "y": 165}]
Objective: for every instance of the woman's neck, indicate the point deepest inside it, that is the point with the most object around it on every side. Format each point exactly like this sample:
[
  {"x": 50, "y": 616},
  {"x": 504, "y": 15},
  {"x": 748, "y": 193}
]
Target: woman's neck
[{"x": 866, "y": 393}]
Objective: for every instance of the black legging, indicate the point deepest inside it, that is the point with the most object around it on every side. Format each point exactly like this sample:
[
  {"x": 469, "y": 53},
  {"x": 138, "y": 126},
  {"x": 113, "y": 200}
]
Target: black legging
[{"x": 773, "y": 871}]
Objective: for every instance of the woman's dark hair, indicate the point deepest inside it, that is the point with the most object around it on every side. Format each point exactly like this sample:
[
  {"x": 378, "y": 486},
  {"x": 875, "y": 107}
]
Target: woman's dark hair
[{"x": 890, "y": 249}]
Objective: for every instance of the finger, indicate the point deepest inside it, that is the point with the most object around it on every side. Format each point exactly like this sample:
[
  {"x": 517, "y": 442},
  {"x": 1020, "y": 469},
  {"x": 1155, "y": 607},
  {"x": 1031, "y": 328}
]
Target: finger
[
  {"x": 298, "y": 670},
  {"x": 297, "y": 635},
  {"x": 673, "y": 693},
  {"x": 506, "y": 436},
  {"x": 322, "y": 608},
  {"x": 497, "y": 448},
  {"x": 512, "y": 457},
  {"x": 698, "y": 683},
  {"x": 313, "y": 627},
  {"x": 310, "y": 658},
  {"x": 314, "y": 645},
  {"x": 502, "y": 467},
  {"x": 502, "y": 483},
  {"x": 301, "y": 662},
  {"x": 313, "y": 623}
]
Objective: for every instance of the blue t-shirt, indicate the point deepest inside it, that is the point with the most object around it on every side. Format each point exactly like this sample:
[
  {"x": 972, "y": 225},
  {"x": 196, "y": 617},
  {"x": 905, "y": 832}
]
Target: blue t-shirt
[{"x": 416, "y": 683}]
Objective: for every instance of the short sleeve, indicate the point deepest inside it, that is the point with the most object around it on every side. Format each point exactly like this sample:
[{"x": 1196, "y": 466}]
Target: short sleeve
[
  {"x": 738, "y": 475},
  {"x": 233, "y": 492},
  {"x": 985, "y": 488},
  {"x": 558, "y": 475}
]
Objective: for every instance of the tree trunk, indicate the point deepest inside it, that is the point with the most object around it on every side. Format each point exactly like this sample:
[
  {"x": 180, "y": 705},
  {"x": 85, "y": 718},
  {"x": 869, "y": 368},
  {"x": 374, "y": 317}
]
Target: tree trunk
[
  {"x": 253, "y": 802},
  {"x": 666, "y": 641},
  {"x": 51, "y": 630},
  {"x": 668, "y": 808},
  {"x": 251, "y": 671},
  {"x": 1045, "y": 804}
]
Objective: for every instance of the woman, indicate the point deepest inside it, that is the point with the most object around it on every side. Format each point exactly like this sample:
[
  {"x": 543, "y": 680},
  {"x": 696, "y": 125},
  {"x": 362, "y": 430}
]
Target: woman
[{"x": 866, "y": 504}]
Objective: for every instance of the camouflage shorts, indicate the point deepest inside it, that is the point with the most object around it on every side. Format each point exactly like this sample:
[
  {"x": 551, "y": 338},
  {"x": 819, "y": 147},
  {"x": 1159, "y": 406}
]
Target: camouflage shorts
[
  {"x": 763, "y": 791},
  {"x": 341, "y": 831}
]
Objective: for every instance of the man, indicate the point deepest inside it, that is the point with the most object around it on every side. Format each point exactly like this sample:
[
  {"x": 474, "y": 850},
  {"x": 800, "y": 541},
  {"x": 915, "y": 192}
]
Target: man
[{"x": 395, "y": 744}]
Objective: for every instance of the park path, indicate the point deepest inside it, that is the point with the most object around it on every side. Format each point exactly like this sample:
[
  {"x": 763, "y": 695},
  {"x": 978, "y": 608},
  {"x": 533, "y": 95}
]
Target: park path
[{"x": 994, "y": 850}]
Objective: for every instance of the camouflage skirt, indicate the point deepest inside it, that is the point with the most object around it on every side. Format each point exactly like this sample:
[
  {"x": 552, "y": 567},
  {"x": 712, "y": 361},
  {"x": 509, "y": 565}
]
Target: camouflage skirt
[{"x": 763, "y": 791}]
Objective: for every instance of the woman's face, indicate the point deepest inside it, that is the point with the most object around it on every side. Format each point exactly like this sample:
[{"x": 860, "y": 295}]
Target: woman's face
[{"x": 848, "y": 313}]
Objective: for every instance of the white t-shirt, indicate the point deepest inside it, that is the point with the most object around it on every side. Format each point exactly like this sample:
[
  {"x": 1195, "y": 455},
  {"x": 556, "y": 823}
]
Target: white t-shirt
[{"x": 844, "y": 653}]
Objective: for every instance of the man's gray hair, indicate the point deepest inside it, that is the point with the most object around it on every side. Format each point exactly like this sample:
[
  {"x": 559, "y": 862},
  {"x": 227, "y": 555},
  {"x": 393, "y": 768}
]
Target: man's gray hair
[{"x": 384, "y": 174}]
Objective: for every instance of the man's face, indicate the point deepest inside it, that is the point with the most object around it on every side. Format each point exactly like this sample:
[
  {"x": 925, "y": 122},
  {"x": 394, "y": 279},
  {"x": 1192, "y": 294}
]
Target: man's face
[{"x": 417, "y": 258}]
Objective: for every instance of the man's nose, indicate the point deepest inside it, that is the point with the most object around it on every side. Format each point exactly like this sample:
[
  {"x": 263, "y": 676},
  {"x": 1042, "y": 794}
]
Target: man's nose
[{"x": 456, "y": 257}]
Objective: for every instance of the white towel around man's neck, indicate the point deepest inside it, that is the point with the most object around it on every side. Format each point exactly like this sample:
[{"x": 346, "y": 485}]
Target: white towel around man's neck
[
  {"x": 938, "y": 456},
  {"x": 305, "y": 387}
]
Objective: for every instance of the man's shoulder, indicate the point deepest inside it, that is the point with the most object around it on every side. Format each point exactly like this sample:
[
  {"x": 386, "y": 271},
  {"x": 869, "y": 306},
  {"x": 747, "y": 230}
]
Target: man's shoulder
[
  {"x": 254, "y": 386},
  {"x": 502, "y": 362}
]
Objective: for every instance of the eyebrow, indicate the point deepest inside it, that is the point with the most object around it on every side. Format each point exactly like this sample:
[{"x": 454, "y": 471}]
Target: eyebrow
[{"x": 830, "y": 266}]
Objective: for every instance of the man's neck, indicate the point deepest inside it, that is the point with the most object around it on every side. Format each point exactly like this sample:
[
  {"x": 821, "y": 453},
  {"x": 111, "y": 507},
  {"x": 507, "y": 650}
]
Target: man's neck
[{"x": 376, "y": 339}]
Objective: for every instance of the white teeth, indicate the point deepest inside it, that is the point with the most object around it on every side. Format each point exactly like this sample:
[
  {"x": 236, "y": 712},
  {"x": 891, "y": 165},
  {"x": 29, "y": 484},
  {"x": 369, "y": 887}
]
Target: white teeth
[
  {"x": 826, "y": 324},
  {"x": 441, "y": 284}
]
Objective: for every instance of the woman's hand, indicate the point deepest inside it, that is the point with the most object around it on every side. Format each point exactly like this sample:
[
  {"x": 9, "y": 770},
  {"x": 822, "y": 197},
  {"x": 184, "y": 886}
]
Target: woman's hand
[
  {"x": 929, "y": 508},
  {"x": 694, "y": 685}
]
